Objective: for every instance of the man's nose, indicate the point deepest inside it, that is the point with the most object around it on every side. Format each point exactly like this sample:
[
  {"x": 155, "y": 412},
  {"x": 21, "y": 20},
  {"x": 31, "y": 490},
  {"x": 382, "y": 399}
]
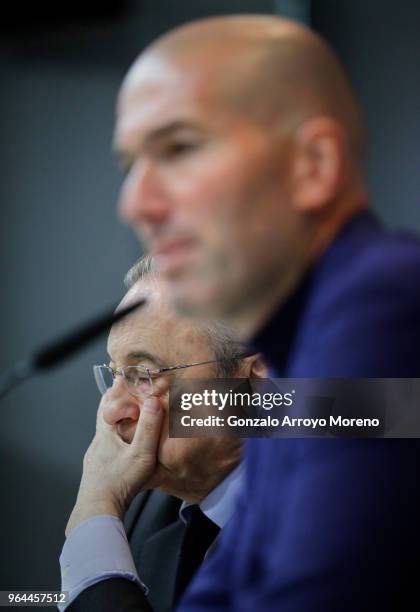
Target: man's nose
[
  {"x": 118, "y": 404},
  {"x": 143, "y": 199}
]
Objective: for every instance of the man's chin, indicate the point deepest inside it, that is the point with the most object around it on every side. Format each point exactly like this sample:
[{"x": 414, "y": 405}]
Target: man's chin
[{"x": 184, "y": 286}]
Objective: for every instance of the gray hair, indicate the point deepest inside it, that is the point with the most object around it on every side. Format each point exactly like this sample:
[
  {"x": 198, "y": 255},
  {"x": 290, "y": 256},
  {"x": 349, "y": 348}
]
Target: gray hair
[
  {"x": 225, "y": 348},
  {"x": 144, "y": 267}
]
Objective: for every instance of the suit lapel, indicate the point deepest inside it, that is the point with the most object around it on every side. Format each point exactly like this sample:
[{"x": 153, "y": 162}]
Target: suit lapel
[
  {"x": 155, "y": 534},
  {"x": 134, "y": 511}
]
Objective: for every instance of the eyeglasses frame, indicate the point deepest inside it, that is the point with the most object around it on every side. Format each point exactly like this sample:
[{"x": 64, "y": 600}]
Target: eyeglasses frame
[{"x": 150, "y": 373}]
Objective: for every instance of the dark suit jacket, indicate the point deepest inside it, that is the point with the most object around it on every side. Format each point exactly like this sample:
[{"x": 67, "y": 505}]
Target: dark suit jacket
[
  {"x": 325, "y": 525},
  {"x": 155, "y": 533}
]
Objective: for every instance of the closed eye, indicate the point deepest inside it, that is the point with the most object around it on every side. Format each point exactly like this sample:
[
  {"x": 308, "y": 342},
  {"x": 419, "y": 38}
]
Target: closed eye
[{"x": 177, "y": 149}]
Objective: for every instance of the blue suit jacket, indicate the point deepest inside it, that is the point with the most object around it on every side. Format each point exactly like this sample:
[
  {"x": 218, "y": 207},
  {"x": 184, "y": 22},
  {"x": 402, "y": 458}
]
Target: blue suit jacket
[
  {"x": 327, "y": 525},
  {"x": 324, "y": 525}
]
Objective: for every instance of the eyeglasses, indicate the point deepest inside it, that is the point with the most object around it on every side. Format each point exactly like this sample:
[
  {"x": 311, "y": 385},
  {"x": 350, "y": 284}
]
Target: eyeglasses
[{"x": 138, "y": 378}]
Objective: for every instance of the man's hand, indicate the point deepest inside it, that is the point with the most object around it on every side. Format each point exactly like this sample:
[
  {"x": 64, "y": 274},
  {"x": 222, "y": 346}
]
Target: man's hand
[{"x": 114, "y": 471}]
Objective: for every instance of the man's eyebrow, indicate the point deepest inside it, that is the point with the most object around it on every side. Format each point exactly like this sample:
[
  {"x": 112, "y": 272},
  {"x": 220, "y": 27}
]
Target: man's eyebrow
[
  {"x": 142, "y": 356},
  {"x": 155, "y": 135},
  {"x": 168, "y": 129}
]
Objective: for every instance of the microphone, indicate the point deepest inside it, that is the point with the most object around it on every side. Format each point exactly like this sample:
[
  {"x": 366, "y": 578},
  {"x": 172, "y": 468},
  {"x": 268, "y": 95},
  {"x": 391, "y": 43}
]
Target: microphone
[{"x": 61, "y": 349}]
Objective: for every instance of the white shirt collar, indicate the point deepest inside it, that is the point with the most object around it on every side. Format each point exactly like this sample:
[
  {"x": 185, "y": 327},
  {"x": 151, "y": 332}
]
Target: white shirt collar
[{"x": 219, "y": 504}]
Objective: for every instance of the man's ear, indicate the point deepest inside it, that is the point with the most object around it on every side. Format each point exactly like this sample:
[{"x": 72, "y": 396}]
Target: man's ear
[
  {"x": 319, "y": 163},
  {"x": 256, "y": 366}
]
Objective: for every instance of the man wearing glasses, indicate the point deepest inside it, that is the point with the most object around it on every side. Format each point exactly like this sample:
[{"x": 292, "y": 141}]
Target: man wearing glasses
[{"x": 169, "y": 537}]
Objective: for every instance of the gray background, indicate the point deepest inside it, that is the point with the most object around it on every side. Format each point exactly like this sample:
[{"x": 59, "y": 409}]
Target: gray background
[{"x": 63, "y": 254}]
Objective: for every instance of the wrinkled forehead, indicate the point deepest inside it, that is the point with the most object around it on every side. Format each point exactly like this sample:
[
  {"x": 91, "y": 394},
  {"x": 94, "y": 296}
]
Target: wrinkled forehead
[
  {"x": 211, "y": 87},
  {"x": 201, "y": 72},
  {"x": 156, "y": 93}
]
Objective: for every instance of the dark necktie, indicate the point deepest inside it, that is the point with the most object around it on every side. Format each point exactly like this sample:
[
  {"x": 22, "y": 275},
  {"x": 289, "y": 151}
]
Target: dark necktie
[{"x": 199, "y": 534}]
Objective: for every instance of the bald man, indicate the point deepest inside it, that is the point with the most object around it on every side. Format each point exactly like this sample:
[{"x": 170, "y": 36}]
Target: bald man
[
  {"x": 237, "y": 133},
  {"x": 243, "y": 146}
]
